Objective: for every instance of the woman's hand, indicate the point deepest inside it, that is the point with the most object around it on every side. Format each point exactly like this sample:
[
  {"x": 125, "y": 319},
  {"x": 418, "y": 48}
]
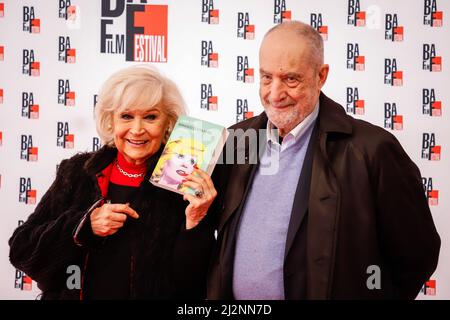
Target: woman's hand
[
  {"x": 109, "y": 218},
  {"x": 199, "y": 204}
]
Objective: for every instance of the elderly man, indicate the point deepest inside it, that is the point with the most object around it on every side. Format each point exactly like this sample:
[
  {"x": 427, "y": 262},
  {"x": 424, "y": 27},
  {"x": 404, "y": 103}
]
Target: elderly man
[{"x": 344, "y": 216}]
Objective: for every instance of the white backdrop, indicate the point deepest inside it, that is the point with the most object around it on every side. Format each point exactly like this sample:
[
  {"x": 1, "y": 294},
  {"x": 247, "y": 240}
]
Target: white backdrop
[{"x": 51, "y": 68}]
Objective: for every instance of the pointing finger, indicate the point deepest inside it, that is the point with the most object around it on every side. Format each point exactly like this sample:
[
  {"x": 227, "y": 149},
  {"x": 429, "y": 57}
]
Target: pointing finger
[{"x": 123, "y": 208}]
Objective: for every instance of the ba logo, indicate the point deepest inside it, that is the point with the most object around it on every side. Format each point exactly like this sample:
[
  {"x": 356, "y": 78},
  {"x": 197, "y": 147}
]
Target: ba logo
[
  {"x": 1, "y": 138},
  {"x": 30, "y": 66},
  {"x": 430, "y": 150},
  {"x": 280, "y": 13},
  {"x": 65, "y": 96},
  {"x": 146, "y": 31},
  {"x": 65, "y": 52},
  {"x": 30, "y": 23},
  {"x": 63, "y": 138},
  {"x": 431, "y": 62},
  {"x": 316, "y": 23},
  {"x": 245, "y": 30},
  {"x": 431, "y": 194},
  {"x": 356, "y": 17},
  {"x": 242, "y": 112},
  {"x": 354, "y": 104},
  {"x": 393, "y": 31},
  {"x": 243, "y": 72},
  {"x": 429, "y": 288},
  {"x": 209, "y": 58},
  {"x": 392, "y": 120},
  {"x": 22, "y": 281},
  {"x": 67, "y": 11},
  {"x": 209, "y": 14},
  {"x": 27, "y": 151},
  {"x": 430, "y": 105},
  {"x": 27, "y": 195},
  {"x": 96, "y": 144},
  {"x": 2, "y": 53},
  {"x": 431, "y": 16},
  {"x": 2, "y": 9},
  {"x": 30, "y": 110},
  {"x": 392, "y": 76},
  {"x": 1, "y": 95},
  {"x": 207, "y": 100},
  {"x": 355, "y": 61}
]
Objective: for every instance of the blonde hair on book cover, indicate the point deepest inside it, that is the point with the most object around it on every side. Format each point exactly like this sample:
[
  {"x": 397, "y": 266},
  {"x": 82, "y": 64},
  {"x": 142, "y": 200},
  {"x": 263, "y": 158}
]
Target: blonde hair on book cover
[{"x": 183, "y": 146}]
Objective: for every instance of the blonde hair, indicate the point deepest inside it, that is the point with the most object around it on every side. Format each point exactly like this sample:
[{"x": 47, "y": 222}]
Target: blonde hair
[
  {"x": 136, "y": 87},
  {"x": 184, "y": 146}
]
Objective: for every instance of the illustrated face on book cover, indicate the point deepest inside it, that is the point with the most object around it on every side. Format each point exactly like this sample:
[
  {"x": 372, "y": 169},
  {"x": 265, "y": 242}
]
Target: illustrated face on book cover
[{"x": 178, "y": 161}]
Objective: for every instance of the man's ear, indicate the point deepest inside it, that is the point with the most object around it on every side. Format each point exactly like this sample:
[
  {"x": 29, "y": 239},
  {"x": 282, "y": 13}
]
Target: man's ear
[{"x": 323, "y": 74}]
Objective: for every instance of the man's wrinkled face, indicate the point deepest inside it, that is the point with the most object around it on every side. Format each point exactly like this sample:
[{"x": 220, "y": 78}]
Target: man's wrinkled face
[{"x": 290, "y": 80}]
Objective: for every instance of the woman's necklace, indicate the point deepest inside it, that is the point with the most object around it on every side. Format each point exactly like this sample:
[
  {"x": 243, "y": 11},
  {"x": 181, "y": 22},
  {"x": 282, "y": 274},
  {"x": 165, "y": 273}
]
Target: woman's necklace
[{"x": 129, "y": 175}]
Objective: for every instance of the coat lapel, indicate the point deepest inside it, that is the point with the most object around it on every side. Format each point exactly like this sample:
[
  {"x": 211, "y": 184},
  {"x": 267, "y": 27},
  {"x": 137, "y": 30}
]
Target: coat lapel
[
  {"x": 240, "y": 174},
  {"x": 322, "y": 216},
  {"x": 324, "y": 202},
  {"x": 300, "y": 205}
]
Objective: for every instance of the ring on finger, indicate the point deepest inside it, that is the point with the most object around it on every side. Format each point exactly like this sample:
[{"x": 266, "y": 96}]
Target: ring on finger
[{"x": 199, "y": 193}]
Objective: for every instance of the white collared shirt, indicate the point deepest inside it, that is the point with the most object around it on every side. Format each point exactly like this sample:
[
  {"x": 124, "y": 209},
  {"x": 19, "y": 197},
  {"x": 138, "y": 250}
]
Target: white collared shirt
[{"x": 272, "y": 133}]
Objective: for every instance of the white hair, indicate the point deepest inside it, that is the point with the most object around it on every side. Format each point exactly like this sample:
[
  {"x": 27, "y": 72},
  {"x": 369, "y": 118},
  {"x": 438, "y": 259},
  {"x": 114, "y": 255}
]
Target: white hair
[{"x": 137, "y": 86}]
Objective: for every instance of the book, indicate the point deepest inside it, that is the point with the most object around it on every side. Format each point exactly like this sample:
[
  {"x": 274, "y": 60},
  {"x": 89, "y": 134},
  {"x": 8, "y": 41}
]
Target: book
[{"x": 192, "y": 143}]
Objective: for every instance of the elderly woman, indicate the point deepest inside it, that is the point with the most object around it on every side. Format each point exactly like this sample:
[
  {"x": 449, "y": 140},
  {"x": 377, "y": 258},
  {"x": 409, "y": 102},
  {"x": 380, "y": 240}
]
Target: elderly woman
[{"x": 101, "y": 216}]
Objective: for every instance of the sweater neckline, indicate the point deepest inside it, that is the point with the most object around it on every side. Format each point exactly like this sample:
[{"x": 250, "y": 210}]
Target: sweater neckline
[{"x": 130, "y": 167}]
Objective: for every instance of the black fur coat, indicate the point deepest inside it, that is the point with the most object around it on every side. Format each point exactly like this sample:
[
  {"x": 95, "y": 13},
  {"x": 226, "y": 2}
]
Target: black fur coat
[{"x": 170, "y": 261}]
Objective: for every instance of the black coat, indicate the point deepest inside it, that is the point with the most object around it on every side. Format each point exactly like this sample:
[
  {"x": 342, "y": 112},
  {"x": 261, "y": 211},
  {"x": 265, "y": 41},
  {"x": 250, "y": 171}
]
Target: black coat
[
  {"x": 366, "y": 206},
  {"x": 170, "y": 261}
]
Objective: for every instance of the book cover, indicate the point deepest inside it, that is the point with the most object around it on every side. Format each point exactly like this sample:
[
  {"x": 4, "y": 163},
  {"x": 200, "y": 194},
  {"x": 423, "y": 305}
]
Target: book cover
[{"x": 193, "y": 142}]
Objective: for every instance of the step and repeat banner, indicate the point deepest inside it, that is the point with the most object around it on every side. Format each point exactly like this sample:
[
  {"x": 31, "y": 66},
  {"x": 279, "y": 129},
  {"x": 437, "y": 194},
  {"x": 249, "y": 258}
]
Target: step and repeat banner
[{"x": 388, "y": 65}]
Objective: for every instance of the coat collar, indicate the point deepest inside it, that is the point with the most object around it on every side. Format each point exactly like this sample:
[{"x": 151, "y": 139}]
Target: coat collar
[
  {"x": 332, "y": 117},
  {"x": 102, "y": 158}
]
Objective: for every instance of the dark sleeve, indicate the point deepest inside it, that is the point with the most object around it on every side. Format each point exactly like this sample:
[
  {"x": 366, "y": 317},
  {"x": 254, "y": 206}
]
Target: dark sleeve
[
  {"x": 43, "y": 246},
  {"x": 191, "y": 259},
  {"x": 407, "y": 233},
  {"x": 193, "y": 247},
  {"x": 83, "y": 235}
]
